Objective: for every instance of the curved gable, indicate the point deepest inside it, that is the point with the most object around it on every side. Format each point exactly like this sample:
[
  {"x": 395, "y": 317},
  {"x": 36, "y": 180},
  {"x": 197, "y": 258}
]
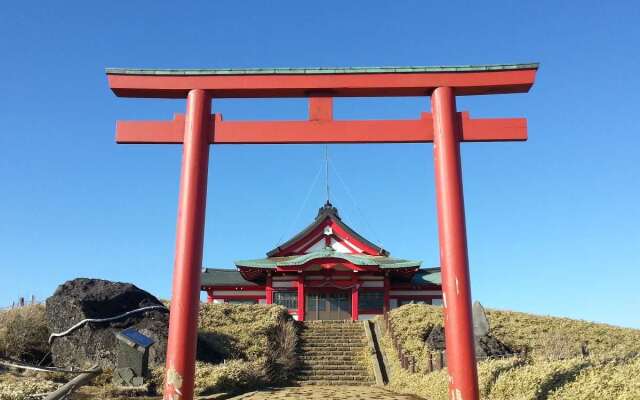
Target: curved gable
[{"x": 328, "y": 231}]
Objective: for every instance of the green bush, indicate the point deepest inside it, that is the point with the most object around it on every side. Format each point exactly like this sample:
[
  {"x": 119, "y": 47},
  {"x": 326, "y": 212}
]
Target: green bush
[
  {"x": 607, "y": 379},
  {"x": 535, "y": 381},
  {"x": 256, "y": 344},
  {"x": 14, "y": 387},
  {"x": 544, "y": 338},
  {"x": 552, "y": 338},
  {"x": 555, "y": 368},
  {"x": 24, "y": 333}
]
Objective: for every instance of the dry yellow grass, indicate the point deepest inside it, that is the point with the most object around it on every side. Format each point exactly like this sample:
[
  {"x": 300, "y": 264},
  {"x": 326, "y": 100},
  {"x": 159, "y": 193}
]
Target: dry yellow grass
[
  {"x": 257, "y": 343},
  {"x": 22, "y": 387},
  {"x": 24, "y": 333},
  {"x": 606, "y": 379},
  {"x": 551, "y": 337}
]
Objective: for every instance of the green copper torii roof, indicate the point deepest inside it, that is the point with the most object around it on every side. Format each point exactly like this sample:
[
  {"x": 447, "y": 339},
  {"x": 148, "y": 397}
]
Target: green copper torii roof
[
  {"x": 320, "y": 70},
  {"x": 356, "y": 259}
]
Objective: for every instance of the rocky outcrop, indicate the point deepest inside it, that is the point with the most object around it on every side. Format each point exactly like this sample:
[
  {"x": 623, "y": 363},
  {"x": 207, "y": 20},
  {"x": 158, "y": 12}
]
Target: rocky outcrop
[{"x": 95, "y": 343}]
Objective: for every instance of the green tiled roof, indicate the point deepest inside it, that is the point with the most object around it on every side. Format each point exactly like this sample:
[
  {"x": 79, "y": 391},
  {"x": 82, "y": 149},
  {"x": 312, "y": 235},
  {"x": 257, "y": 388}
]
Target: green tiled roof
[
  {"x": 427, "y": 276},
  {"x": 320, "y": 70},
  {"x": 223, "y": 277},
  {"x": 357, "y": 259}
]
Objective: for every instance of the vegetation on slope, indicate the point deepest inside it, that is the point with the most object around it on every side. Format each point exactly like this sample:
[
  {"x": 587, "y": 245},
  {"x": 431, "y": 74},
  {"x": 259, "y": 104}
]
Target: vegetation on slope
[
  {"x": 24, "y": 333},
  {"x": 22, "y": 387},
  {"x": 247, "y": 346},
  {"x": 554, "y": 368}
]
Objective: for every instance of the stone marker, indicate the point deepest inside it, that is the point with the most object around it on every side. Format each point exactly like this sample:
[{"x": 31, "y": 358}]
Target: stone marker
[{"x": 480, "y": 321}]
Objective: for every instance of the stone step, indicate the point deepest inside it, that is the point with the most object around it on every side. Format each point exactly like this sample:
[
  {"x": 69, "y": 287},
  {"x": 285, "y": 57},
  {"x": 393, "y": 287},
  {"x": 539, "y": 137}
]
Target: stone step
[
  {"x": 330, "y": 366},
  {"x": 327, "y": 347},
  {"x": 331, "y": 334},
  {"x": 333, "y": 383},
  {"x": 332, "y": 353},
  {"x": 334, "y": 380},
  {"x": 324, "y": 374},
  {"x": 335, "y": 357},
  {"x": 333, "y": 377},
  {"x": 338, "y": 342},
  {"x": 329, "y": 337}
]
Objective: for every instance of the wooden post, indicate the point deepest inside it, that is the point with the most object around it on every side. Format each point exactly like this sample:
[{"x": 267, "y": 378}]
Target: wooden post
[
  {"x": 437, "y": 365},
  {"x": 429, "y": 362},
  {"x": 75, "y": 383}
]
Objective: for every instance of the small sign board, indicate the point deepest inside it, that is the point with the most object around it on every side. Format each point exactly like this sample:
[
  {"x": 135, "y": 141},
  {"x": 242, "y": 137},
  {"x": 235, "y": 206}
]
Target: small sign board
[{"x": 135, "y": 338}]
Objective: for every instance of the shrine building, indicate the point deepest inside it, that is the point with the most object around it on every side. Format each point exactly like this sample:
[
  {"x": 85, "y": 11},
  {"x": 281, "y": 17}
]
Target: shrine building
[{"x": 327, "y": 271}]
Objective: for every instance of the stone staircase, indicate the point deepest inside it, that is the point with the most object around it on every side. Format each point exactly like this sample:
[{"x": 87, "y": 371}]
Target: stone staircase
[{"x": 333, "y": 353}]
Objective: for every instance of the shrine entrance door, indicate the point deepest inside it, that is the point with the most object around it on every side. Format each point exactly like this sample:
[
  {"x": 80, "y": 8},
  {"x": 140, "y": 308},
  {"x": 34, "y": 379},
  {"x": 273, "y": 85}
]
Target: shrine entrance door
[{"x": 328, "y": 305}]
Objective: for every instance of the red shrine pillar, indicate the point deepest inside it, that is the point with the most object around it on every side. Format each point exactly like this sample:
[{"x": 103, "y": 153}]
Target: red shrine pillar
[
  {"x": 268, "y": 289},
  {"x": 355, "y": 312},
  {"x": 461, "y": 362},
  {"x": 385, "y": 306},
  {"x": 185, "y": 299},
  {"x": 300, "y": 297}
]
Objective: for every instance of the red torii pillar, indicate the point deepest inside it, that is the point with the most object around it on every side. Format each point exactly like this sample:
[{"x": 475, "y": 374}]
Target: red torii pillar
[{"x": 446, "y": 129}]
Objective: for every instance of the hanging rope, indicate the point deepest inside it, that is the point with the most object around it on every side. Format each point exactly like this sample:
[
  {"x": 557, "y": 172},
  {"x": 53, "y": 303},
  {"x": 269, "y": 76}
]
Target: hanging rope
[
  {"x": 355, "y": 203},
  {"x": 326, "y": 162},
  {"x": 304, "y": 202}
]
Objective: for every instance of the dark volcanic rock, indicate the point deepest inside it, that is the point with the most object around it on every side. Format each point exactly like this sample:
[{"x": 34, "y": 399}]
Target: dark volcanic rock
[
  {"x": 95, "y": 343},
  {"x": 486, "y": 345}
]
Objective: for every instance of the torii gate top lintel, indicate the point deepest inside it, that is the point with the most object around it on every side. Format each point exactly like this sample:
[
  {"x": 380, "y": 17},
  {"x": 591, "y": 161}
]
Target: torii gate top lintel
[
  {"x": 444, "y": 126},
  {"x": 336, "y": 82},
  {"x": 320, "y": 85}
]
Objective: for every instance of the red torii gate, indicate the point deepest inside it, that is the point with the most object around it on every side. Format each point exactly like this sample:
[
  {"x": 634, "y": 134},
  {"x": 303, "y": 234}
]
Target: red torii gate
[{"x": 445, "y": 127}]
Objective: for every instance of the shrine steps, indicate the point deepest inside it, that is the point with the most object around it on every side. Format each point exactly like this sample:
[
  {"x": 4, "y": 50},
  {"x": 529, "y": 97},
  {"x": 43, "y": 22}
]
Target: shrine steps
[{"x": 333, "y": 353}]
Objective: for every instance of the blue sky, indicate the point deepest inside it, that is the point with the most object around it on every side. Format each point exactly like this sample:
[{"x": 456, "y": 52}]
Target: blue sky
[{"x": 552, "y": 222}]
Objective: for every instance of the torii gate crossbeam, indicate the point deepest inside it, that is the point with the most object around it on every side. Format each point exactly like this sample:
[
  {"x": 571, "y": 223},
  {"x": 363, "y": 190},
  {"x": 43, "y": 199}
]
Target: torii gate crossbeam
[{"x": 445, "y": 127}]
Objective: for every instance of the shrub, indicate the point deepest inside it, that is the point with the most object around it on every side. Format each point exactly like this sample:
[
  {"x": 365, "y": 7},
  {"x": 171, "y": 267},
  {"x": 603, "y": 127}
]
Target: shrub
[
  {"x": 252, "y": 345},
  {"x": 555, "y": 368},
  {"x": 21, "y": 388},
  {"x": 552, "y": 338},
  {"x": 24, "y": 333},
  {"x": 411, "y": 324},
  {"x": 433, "y": 386},
  {"x": 544, "y": 338},
  {"x": 240, "y": 330},
  {"x": 535, "y": 381},
  {"x": 607, "y": 379}
]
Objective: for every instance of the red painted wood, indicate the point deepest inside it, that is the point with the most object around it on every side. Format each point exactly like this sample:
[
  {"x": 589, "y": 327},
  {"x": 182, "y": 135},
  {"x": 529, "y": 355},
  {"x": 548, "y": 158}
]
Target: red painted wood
[
  {"x": 354, "y": 298},
  {"x": 223, "y": 287},
  {"x": 320, "y": 108},
  {"x": 185, "y": 299},
  {"x": 321, "y": 131},
  {"x": 269, "y": 290},
  {"x": 239, "y": 297},
  {"x": 386, "y": 293},
  {"x": 339, "y": 85},
  {"x": 300, "y": 297},
  {"x": 463, "y": 377}
]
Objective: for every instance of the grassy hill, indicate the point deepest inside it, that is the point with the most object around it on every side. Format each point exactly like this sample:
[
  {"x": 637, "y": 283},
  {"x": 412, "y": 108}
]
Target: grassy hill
[
  {"x": 240, "y": 347},
  {"x": 554, "y": 367}
]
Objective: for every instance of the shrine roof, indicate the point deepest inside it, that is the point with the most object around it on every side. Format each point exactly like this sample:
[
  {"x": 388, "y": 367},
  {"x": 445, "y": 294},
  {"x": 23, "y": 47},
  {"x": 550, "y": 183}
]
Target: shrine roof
[
  {"x": 320, "y": 70},
  {"x": 224, "y": 277},
  {"x": 383, "y": 262},
  {"x": 327, "y": 211},
  {"x": 427, "y": 276}
]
